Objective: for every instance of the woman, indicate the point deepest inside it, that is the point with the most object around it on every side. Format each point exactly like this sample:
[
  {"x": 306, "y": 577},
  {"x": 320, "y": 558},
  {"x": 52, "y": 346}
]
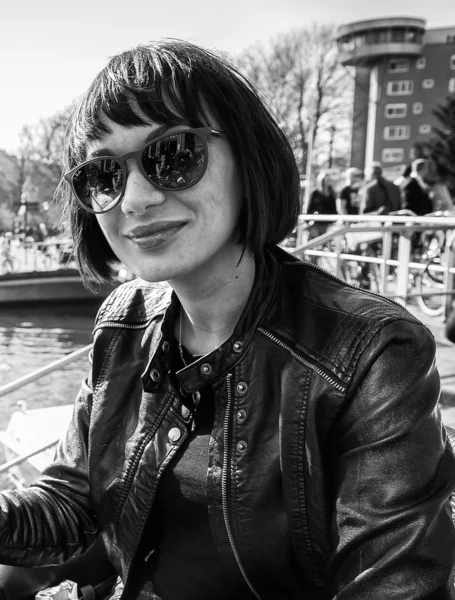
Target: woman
[
  {"x": 441, "y": 198},
  {"x": 253, "y": 428},
  {"x": 322, "y": 202}
]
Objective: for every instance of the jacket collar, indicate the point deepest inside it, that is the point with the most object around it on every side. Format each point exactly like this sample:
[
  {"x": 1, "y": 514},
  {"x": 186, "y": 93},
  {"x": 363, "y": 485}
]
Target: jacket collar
[
  {"x": 214, "y": 365},
  {"x": 138, "y": 303}
]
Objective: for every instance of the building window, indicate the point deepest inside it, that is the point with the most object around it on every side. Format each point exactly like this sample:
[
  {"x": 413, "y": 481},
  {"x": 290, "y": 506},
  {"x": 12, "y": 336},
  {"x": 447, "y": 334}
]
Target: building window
[
  {"x": 421, "y": 62},
  {"x": 395, "y": 111},
  {"x": 392, "y": 155},
  {"x": 452, "y": 85},
  {"x": 412, "y": 154},
  {"x": 424, "y": 128},
  {"x": 399, "y": 65},
  {"x": 417, "y": 108},
  {"x": 452, "y": 61},
  {"x": 427, "y": 84},
  {"x": 400, "y": 88},
  {"x": 397, "y": 132},
  {"x": 450, "y": 39}
]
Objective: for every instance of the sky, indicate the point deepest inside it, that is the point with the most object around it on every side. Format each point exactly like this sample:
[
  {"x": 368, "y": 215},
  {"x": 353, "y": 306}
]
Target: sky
[{"x": 51, "y": 50}]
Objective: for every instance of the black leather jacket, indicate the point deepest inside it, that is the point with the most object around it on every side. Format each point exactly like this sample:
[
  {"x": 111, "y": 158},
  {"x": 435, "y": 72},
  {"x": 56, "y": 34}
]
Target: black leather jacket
[{"x": 329, "y": 469}]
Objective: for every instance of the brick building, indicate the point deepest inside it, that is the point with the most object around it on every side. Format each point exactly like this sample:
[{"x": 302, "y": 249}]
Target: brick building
[{"x": 402, "y": 71}]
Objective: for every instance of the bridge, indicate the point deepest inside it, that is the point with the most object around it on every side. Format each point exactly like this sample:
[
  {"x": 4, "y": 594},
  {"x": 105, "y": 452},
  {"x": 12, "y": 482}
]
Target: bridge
[{"x": 36, "y": 272}]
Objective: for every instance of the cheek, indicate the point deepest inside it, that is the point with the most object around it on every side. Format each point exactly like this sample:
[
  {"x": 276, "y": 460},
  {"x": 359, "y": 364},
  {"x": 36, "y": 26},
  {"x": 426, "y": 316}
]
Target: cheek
[{"x": 108, "y": 225}]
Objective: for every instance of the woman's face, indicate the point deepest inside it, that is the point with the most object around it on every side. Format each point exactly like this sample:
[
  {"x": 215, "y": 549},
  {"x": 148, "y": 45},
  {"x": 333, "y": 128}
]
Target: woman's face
[
  {"x": 163, "y": 235},
  {"x": 326, "y": 185}
]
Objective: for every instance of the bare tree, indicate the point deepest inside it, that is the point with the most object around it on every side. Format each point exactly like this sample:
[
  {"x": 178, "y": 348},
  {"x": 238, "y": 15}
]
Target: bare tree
[
  {"x": 24, "y": 158},
  {"x": 299, "y": 75},
  {"x": 43, "y": 141},
  {"x": 39, "y": 161}
]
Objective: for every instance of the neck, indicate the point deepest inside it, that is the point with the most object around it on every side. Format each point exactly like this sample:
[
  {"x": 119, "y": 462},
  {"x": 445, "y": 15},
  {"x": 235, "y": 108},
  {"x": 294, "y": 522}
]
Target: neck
[{"x": 212, "y": 305}]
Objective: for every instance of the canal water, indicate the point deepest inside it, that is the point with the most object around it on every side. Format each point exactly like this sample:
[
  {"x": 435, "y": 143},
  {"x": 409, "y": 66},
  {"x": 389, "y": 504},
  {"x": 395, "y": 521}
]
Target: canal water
[{"x": 30, "y": 338}]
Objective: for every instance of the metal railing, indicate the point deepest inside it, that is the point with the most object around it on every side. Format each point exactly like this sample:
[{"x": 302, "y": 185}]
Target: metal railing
[
  {"x": 385, "y": 227},
  {"x": 22, "y": 256},
  {"x": 30, "y": 377}
]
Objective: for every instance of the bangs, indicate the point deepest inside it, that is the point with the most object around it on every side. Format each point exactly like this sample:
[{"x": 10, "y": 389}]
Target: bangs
[{"x": 131, "y": 88}]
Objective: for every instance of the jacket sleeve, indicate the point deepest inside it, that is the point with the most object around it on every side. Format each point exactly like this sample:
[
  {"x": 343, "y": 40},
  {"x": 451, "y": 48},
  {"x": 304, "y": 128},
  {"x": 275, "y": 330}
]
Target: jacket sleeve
[
  {"x": 52, "y": 520},
  {"x": 394, "y": 473}
]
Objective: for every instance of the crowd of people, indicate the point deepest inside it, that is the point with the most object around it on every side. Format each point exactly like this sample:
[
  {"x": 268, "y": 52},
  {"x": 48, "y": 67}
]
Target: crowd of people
[{"x": 414, "y": 190}]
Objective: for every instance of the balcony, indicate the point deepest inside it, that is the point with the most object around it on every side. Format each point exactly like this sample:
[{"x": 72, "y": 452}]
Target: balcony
[{"x": 364, "y": 42}]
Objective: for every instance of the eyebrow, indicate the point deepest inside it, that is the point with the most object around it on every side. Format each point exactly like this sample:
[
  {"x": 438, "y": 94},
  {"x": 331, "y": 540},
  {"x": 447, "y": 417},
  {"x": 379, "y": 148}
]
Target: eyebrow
[{"x": 156, "y": 133}]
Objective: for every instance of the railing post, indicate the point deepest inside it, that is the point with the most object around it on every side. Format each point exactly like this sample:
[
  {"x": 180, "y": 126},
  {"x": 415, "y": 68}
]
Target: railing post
[
  {"x": 404, "y": 254},
  {"x": 338, "y": 250},
  {"x": 449, "y": 276},
  {"x": 302, "y": 232},
  {"x": 386, "y": 254}
]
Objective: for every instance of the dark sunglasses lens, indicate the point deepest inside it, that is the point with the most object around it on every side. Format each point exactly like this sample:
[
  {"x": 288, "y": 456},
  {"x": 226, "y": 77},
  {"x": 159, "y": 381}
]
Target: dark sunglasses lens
[
  {"x": 99, "y": 184},
  {"x": 176, "y": 161}
]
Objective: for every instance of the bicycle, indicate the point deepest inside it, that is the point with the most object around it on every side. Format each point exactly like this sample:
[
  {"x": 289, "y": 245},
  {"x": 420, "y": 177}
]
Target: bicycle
[
  {"x": 429, "y": 280},
  {"x": 8, "y": 263}
]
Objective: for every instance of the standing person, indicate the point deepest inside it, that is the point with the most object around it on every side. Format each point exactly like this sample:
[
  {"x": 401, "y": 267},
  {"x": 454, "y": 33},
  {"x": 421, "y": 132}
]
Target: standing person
[
  {"x": 348, "y": 201},
  {"x": 416, "y": 195},
  {"x": 322, "y": 202},
  {"x": 441, "y": 199},
  {"x": 250, "y": 427},
  {"x": 380, "y": 196}
]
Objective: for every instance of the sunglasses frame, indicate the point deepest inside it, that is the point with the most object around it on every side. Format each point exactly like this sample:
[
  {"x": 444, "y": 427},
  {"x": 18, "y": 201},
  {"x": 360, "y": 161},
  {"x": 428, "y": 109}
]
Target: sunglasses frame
[{"x": 202, "y": 132}]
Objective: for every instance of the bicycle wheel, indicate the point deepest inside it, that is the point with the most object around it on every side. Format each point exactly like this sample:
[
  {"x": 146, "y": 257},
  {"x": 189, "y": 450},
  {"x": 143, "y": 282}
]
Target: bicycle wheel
[
  {"x": 350, "y": 270},
  {"x": 11, "y": 265},
  {"x": 430, "y": 285},
  {"x": 363, "y": 274}
]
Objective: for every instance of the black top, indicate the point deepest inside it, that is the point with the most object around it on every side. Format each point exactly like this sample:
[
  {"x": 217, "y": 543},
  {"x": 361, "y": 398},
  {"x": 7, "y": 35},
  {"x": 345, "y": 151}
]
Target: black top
[
  {"x": 351, "y": 196},
  {"x": 416, "y": 198},
  {"x": 322, "y": 204}
]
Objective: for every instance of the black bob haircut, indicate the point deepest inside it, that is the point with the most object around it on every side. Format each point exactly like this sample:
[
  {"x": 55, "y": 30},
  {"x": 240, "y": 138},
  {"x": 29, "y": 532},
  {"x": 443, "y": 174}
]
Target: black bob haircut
[{"x": 175, "y": 82}]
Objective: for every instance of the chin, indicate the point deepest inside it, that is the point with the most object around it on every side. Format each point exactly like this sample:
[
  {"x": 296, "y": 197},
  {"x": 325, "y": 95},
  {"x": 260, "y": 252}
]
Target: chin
[{"x": 159, "y": 274}]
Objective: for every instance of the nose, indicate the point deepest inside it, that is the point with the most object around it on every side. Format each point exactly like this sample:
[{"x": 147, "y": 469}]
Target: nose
[{"x": 139, "y": 194}]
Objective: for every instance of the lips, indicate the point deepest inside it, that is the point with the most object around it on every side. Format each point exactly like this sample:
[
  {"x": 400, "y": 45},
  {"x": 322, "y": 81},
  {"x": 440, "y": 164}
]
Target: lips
[
  {"x": 155, "y": 234},
  {"x": 153, "y": 228}
]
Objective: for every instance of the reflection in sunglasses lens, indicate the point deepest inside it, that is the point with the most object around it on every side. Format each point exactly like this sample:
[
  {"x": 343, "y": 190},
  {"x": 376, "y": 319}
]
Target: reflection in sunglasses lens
[
  {"x": 99, "y": 184},
  {"x": 176, "y": 161}
]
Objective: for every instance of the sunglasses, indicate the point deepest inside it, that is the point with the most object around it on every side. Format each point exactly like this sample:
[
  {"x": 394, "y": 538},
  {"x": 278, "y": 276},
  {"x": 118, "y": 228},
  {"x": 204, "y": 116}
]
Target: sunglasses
[{"x": 175, "y": 161}]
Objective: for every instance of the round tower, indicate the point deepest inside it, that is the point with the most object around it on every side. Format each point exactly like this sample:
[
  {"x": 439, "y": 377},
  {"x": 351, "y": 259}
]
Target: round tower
[{"x": 369, "y": 46}]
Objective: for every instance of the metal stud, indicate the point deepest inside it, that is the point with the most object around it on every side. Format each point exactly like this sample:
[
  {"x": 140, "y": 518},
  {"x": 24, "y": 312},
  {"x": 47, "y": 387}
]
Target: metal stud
[
  {"x": 241, "y": 416},
  {"x": 174, "y": 435},
  {"x": 206, "y": 369},
  {"x": 237, "y": 346},
  {"x": 155, "y": 375},
  {"x": 242, "y": 447},
  {"x": 185, "y": 412},
  {"x": 242, "y": 388}
]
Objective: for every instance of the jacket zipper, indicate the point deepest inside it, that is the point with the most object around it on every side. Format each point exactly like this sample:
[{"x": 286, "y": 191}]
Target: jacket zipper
[
  {"x": 335, "y": 383},
  {"x": 109, "y": 324},
  {"x": 224, "y": 481},
  {"x": 339, "y": 279}
]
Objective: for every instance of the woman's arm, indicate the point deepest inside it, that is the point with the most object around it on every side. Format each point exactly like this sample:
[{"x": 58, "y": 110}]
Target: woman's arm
[
  {"x": 51, "y": 521},
  {"x": 394, "y": 473}
]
